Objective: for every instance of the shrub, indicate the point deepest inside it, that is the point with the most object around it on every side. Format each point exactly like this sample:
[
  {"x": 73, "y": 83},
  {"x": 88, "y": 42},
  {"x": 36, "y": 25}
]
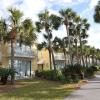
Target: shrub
[
  {"x": 51, "y": 75},
  {"x": 47, "y": 74},
  {"x": 90, "y": 71},
  {"x": 72, "y": 73},
  {"x": 60, "y": 76},
  {"x": 75, "y": 78},
  {"x": 78, "y": 68},
  {"x": 38, "y": 74},
  {"x": 4, "y": 73}
]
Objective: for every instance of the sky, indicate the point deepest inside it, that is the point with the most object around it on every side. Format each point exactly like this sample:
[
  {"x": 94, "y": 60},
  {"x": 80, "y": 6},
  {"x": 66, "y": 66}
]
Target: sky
[{"x": 31, "y": 8}]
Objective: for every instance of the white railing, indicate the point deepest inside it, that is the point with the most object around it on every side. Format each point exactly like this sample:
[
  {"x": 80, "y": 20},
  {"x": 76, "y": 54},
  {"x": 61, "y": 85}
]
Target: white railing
[
  {"x": 59, "y": 56},
  {"x": 22, "y": 52}
]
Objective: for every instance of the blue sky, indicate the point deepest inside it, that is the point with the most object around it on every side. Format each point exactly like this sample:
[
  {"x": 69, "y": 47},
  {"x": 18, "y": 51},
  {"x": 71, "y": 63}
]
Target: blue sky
[{"x": 31, "y": 8}]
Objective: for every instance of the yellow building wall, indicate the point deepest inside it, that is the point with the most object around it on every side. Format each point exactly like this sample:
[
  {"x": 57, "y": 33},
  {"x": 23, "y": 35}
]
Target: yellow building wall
[
  {"x": 44, "y": 55},
  {"x": 4, "y": 55},
  {"x": 34, "y": 64}
]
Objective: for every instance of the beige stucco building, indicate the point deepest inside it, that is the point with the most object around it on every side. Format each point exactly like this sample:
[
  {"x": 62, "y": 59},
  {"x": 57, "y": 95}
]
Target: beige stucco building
[{"x": 27, "y": 59}]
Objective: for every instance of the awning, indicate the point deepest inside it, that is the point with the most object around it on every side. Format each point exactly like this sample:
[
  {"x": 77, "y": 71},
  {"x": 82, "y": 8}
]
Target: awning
[{"x": 40, "y": 62}]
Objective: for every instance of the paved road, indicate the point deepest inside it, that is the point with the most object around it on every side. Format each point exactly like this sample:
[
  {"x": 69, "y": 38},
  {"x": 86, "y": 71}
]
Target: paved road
[{"x": 90, "y": 91}]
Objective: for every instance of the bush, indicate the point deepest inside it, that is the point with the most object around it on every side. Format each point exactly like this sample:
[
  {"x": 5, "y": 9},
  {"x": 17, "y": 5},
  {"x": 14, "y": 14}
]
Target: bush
[
  {"x": 75, "y": 78},
  {"x": 48, "y": 74},
  {"x": 60, "y": 76},
  {"x": 72, "y": 73},
  {"x": 90, "y": 71},
  {"x": 4, "y": 73},
  {"x": 78, "y": 68},
  {"x": 51, "y": 75},
  {"x": 69, "y": 74}
]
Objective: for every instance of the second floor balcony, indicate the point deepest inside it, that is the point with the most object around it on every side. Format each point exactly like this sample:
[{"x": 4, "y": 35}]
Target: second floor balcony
[
  {"x": 22, "y": 52},
  {"x": 59, "y": 56}
]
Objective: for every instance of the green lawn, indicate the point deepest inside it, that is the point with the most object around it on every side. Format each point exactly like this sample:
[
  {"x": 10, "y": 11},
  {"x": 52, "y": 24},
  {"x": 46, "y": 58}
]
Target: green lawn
[{"x": 36, "y": 89}]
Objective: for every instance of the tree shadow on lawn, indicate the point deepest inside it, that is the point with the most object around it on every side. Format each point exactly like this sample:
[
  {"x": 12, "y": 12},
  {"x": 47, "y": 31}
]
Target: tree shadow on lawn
[{"x": 38, "y": 90}]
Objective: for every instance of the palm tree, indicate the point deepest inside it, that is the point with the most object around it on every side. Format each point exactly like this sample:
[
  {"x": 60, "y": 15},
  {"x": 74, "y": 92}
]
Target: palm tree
[
  {"x": 67, "y": 17},
  {"x": 48, "y": 23},
  {"x": 76, "y": 35},
  {"x": 83, "y": 35},
  {"x": 92, "y": 52},
  {"x": 86, "y": 52},
  {"x": 15, "y": 17},
  {"x": 28, "y": 35},
  {"x": 22, "y": 32},
  {"x": 61, "y": 45},
  {"x": 97, "y": 13},
  {"x": 45, "y": 45},
  {"x": 97, "y": 55}
]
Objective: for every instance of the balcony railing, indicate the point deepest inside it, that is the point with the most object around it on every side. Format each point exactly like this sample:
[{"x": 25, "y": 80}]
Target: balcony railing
[
  {"x": 59, "y": 56},
  {"x": 22, "y": 52},
  {"x": 19, "y": 53}
]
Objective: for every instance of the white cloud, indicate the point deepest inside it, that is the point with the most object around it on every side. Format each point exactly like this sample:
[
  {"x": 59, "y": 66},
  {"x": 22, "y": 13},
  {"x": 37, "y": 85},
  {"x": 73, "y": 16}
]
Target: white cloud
[
  {"x": 93, "y": 3},
  {"x": 94, "y": 37},
  {"x": 67, "y": 1},
  {"x": 6, "y": 3},
  {"x": 60, "y": 33},
  {"x": 91, "y": 6},
  {"x": 31, "y": 8}
]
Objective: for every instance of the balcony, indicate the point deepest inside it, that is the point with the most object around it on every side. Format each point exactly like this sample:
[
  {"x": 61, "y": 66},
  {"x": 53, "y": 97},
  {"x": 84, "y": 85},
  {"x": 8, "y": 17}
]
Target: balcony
[
  {"x": 23, "y": 51},
  {"x": 20, "y": 53},
  {"x": 59, "y": 56}
]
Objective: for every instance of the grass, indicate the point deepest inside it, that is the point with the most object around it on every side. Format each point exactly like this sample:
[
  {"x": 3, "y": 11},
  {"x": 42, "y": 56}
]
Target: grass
[{"x": 36, "y": 89}]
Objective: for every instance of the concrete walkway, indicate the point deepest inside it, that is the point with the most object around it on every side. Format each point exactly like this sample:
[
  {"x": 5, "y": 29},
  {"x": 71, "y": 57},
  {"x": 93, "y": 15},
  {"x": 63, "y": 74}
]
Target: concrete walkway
[{"x": 90, "y": 91}]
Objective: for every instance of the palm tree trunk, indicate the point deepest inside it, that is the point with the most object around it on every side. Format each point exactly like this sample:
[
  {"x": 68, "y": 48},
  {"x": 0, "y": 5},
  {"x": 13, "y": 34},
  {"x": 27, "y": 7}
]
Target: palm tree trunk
[
  {"x": 81, "y": 51},
  {"x": 50, "y": 50},
  {"x": 89, "y": 60},
  {"x": 72, "y": 60},
  {"x": 77, "y": 52},
  {"x": 96, "y": 61},
  {"x": 12, "y": 61},
  {"x": 50, "y": 60},
  {"x": 69, "y": 50},
  {"x": 92, "y": 59},
  {"x": 65, "y": 56},
  {"x": 53, "y": 60},
  {"x": 86, "y": 61}
]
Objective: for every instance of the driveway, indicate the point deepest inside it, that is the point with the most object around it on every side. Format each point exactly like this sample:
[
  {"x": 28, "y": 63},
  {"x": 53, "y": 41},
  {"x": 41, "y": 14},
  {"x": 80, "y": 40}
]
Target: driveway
[{"x": 90, "y": 91}]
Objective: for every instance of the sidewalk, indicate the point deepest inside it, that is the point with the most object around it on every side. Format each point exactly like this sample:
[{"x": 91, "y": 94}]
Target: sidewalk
[{"x": 90, "y": 91}]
